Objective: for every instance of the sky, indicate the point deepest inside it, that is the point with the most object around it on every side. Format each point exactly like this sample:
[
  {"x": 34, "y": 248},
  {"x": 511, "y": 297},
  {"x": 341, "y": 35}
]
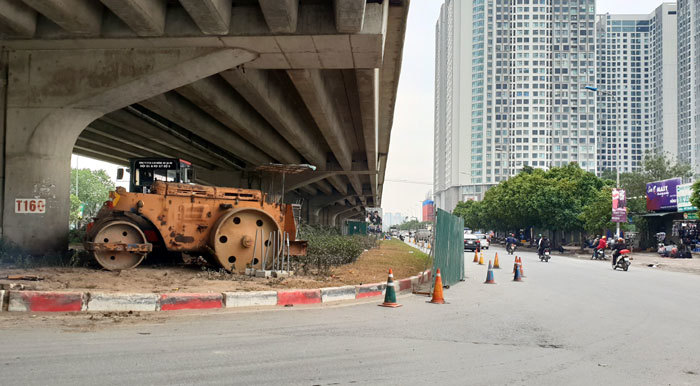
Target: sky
[{"x": 409, "y": 172}]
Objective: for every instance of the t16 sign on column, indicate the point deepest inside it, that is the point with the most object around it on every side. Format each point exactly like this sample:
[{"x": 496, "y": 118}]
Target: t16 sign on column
[{"x": 30, "y": 205}]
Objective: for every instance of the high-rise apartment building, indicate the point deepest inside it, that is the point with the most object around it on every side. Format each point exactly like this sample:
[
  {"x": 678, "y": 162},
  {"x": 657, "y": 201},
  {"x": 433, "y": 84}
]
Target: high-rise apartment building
[
  {"x": 689, "y": 82},
  {"x": 636, "y": 76},
  {"x": 508, "y": 79}
]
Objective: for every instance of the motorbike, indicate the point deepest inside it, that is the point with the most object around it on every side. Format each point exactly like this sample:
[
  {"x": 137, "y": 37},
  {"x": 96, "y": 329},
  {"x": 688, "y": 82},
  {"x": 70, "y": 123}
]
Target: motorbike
[
  {"x": 545, "y": 255},
  {"x": 510, "y": 248},
  {"x": 623, "y": 261},
  {"x": 599, "y": 254}
]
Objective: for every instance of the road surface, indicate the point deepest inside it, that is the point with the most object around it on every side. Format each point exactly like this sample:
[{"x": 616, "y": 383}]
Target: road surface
[{"x": 569, "y": 322}]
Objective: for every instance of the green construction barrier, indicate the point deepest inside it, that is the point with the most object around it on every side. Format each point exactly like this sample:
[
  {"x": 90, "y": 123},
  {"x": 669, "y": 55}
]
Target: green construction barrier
[
  {"x": 448, "y": 248},
  {"x": 356, "y": 228}
]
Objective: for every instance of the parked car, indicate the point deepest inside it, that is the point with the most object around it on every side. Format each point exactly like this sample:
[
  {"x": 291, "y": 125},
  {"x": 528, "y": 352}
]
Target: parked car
[
  {"x": 470, "y": 241},
  {"x": 483, "y": 240}
]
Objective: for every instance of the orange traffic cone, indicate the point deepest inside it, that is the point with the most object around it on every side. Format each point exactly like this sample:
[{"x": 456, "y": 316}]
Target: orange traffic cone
[
  {"x": 437, "y": 290},
  {"x": 489, "y": 275},
  {"x": 390, "y": 295},
  {"x": 522, "y": 273},
  {"x": 515, "y": 264},
  {"x": 495, "y": 262},
  {"x": 481, "y": 259},
  {"x": 476, "y": 257}
]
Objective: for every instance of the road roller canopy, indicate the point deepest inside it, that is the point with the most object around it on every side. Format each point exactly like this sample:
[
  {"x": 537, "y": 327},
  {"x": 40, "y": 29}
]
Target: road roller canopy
[{"x": 145, "y": 171}]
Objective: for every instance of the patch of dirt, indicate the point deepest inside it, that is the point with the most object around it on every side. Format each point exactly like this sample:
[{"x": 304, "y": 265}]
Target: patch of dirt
[
  {"x": 79, "y": 322},
  {"x": 371, "y": 267}
]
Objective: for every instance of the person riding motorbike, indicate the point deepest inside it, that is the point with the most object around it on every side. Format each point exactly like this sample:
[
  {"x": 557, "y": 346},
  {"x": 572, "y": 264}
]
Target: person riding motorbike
[
  {"x": 619, "y": 245},
  {"x": 602, "y": 244},
  {"x": 542, "y": 245},
  {"x": 511, "y": 240},
  {"x": 594, "y": 245}
]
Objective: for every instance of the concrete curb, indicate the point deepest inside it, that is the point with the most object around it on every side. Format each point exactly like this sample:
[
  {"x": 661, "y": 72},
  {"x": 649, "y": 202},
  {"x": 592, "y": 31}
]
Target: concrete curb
[
  {"x": 250, "y": 299},
  {"x": 334, "y": 294},
  {"x": 291, "y": 297},
  {"x": 52, "y": 301},
  {"x": 41, "y": 301},
  {"x": 99, "y": 301},
  {"x": 369, "y": 290},
  {"x": 176, "y": 301}
]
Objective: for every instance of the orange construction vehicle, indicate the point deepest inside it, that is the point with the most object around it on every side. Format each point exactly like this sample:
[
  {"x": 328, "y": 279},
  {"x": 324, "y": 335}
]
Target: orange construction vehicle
[{"x": 234, "y": 228}]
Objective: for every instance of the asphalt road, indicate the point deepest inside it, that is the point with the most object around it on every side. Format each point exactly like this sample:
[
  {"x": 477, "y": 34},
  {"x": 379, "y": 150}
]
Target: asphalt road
[{"x": 569, "y": 322}]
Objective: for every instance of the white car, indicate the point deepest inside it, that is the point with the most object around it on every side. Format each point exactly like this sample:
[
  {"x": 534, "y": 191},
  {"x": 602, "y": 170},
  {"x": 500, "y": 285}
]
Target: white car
[{"x": 483, "y": 240}]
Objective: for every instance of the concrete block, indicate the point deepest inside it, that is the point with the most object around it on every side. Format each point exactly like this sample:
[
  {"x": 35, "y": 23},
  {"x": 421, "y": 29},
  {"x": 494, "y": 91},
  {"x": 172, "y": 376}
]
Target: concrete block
[
  {"x": 265, "y": 274},
  {"x": 249, "y": 299},
  {"x": 281, "y": 274},
  {"x": 403, "y": 285},
  {"x": 177, "y": 301},
  {"x": 368, "y": 290},
  {"x": 40, "y": 301},
  {"x": 332, "y": 294},
  {"x": 298, "y": 297},
  {"x": 122, "y": 302},
  {"x": 250, "y": 271},
  {"x": 2, "y": 300}
]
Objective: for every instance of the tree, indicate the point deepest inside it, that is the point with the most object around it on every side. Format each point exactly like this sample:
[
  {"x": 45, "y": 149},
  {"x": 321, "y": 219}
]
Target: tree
[
  {"x": 471, "y": 212},
  {"x": 93, "y": 188},
  {"x": 695, "y": 195},
  {"x": 597, "y": 215}
]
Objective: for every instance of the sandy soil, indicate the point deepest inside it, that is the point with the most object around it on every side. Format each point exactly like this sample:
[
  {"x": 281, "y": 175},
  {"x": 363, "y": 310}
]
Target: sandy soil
[{"x": 371, "y": 267}]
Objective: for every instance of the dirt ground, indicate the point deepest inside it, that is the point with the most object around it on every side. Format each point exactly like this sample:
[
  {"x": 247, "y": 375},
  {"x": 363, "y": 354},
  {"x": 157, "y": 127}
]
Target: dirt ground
[{"x": 371, "y": 267}]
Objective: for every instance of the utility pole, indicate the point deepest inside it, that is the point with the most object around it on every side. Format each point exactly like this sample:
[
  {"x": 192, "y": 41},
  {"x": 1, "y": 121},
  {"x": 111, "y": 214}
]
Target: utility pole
[{"x": 618, "y": 139}]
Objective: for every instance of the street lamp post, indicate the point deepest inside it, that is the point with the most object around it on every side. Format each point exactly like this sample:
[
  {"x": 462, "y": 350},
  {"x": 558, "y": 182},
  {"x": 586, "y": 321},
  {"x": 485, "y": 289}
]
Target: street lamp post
[{"x": 618, "y": 139}]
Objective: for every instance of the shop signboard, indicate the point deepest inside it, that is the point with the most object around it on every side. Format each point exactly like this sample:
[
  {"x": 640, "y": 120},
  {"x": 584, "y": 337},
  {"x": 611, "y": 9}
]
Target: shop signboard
[
  {"x": 683, "y": 193},
  {"x": 619, "y": 205},
  {"x": 661, "y": 195}
]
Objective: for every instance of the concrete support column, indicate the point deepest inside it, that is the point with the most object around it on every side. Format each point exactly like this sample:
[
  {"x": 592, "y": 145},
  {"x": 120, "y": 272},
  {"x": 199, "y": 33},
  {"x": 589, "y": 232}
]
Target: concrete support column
[{"x": 52, "y": 96}]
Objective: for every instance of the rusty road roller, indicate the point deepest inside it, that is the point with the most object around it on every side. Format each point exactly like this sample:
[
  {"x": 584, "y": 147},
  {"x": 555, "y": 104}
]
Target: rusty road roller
[{"x": 234, "y": 228}]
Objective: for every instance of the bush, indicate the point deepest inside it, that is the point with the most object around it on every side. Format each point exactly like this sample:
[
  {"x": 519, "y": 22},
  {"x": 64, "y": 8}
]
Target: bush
[{"x": 328, "y": 248}]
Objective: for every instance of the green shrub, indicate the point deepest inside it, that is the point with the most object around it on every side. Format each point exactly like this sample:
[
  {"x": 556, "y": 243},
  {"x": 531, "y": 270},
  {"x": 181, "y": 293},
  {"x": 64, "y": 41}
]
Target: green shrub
[{"x": 328, "y": 248}]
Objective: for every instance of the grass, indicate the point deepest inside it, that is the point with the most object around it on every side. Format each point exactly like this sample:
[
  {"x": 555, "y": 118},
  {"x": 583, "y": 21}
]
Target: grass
[{"x": 373, "y": 265}]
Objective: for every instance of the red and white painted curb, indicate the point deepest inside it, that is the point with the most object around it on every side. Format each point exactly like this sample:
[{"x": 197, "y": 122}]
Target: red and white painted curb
[{"x": 56, "y": 301}]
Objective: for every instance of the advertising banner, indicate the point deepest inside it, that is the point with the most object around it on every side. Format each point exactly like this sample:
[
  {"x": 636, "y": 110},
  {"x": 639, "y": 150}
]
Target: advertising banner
[
  {"x": 619, "y": 205},
  {"x": 373, "y": 217},
  {"x": 683, "y": 193},
  {"x": 661, "y": 195}
]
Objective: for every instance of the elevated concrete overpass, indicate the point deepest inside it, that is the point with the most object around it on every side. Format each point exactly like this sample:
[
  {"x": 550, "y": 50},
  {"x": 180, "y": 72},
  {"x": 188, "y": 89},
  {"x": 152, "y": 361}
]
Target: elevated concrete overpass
[{"x": 226, "y": 84}]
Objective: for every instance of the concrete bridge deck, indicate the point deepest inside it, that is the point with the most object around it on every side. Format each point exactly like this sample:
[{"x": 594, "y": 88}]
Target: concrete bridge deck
[{"x": 227, "y": 84}]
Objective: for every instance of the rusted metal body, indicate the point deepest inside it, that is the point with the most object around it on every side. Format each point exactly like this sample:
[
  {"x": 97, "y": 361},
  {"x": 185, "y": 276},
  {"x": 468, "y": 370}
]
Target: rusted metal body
[{"x": 232, "y": 225}]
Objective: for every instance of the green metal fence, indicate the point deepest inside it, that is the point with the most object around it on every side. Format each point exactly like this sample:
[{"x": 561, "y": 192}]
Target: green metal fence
[{"x": 448, "y": 248}]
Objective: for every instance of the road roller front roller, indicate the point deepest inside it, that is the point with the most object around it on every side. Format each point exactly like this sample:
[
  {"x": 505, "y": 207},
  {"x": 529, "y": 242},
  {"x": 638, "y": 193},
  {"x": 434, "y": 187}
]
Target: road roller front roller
[{"x": 236, "y": 228}]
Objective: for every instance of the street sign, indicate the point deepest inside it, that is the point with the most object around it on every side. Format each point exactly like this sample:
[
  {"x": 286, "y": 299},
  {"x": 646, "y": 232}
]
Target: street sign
[
  {"x": 30, "y": 205},
  {"x": 683, "y": 193}
]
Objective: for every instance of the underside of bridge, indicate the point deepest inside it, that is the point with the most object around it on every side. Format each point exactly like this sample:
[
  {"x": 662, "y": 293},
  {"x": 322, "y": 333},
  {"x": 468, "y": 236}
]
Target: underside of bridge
[{"x": 226, "y": 84}]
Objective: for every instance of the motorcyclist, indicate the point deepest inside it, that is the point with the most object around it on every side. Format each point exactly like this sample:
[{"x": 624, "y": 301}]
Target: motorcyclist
[
  {"x": 542, "y": 245},
  {"x": 595, "y": 244},
  {"x": 619, "y": 245},
  {"x": 602, "y": 244},
  {"x": 511, "y": 240}
]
